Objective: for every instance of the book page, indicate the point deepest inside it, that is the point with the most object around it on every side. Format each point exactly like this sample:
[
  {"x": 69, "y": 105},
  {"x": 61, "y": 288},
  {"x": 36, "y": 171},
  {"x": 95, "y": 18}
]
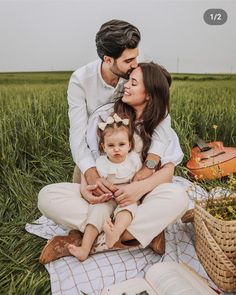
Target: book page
[
  {"x": 130, "y": 287},
  {"x": 171, "y": 278},
  {"x": 173, "y": 283},
  {"x": 166, "y": 278}
]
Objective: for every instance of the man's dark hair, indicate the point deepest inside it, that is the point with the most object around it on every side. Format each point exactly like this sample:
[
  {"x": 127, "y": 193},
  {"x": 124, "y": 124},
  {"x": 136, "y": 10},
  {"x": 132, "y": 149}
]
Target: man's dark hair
[{"x": 115, "y": 36}]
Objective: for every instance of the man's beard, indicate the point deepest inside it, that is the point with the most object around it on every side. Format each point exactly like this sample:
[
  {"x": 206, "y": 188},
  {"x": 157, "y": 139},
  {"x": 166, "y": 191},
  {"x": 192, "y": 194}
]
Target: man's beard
[{"x": 116, "y": 71}]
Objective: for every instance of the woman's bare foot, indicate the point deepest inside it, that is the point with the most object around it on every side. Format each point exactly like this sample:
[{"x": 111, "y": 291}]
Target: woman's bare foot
[
  {"x": 79, "y": 252},
  {"x": 111, "y": 234}
]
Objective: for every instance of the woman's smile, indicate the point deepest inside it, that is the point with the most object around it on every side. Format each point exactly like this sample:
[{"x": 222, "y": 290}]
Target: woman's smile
[
  {"x": 134, "y": 90},
  {"x": 126, "y": 93}
]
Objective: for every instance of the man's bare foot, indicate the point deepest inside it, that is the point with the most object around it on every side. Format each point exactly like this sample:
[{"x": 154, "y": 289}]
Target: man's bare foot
[
  {"x": 111, "y": 235},
  {"x": 79, "y": 252}
]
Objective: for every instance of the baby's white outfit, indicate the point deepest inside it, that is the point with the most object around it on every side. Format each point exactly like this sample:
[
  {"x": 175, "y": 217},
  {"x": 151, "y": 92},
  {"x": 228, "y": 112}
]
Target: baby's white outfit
[{"x": 116, "y": 173}]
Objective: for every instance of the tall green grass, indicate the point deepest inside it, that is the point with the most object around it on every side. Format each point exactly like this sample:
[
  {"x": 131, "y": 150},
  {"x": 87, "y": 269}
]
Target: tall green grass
[{"x": 34, "y": 151}]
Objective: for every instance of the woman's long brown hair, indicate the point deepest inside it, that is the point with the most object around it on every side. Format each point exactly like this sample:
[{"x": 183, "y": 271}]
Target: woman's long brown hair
[{"x": 157, "y": 81}]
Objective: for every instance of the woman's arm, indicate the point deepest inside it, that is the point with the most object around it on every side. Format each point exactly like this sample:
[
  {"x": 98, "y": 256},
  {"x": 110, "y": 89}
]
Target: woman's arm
[
  {"x": 145, "y": 172},
  {"x": 131, "y": 193},
  {"x": 165, "y": 147},
  {"x": 165, "y": 143}
]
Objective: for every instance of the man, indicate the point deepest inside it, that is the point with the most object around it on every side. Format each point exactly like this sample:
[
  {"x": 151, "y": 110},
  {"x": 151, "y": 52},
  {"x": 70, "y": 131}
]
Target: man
[{"x": 96, "y": 84}]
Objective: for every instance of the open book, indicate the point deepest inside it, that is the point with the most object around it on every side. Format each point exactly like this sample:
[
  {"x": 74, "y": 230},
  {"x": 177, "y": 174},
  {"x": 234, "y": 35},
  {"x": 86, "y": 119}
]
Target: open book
[{"x": 166, "y": 278}]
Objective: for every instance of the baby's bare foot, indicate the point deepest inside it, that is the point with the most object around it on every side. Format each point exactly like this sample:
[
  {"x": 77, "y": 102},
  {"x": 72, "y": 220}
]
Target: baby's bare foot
[
  {"x": 110, "y": 233},
  {"x": 79, "y": 252}
]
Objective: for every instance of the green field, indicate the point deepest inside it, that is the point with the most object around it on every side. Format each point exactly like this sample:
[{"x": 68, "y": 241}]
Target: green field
[{"x": 35, "y": 152}]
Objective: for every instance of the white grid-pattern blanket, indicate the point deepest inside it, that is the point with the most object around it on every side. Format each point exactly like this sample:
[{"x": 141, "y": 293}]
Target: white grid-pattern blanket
[{"x": 69, "y": 276}]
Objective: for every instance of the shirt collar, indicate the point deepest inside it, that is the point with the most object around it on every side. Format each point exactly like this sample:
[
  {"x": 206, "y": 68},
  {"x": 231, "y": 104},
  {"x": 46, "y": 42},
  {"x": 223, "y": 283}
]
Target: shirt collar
[
  {"x": 116, "y": 164},
  {"x": 120, "y": 81}
]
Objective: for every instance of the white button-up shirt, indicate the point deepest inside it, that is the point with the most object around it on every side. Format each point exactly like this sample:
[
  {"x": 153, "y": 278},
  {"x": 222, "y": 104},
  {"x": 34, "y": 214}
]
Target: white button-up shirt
[{"x": 86, "y": 91}]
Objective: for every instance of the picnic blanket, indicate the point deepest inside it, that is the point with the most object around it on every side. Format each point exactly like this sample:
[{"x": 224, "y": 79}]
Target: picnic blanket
[{"x": 68, "y": 276}]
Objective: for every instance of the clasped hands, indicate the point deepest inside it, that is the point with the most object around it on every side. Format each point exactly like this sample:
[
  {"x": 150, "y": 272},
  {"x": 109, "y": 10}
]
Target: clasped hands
[{"x": 98, "y": 189}]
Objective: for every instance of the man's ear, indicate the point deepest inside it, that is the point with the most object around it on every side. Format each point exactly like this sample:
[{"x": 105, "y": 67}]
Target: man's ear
[{"x": 108, "y": 60}]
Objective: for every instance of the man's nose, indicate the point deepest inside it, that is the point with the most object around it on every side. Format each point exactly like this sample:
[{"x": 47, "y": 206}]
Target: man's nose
[
  {"x": 134, "y": 64},
  {"x": 127, "y": 85}
]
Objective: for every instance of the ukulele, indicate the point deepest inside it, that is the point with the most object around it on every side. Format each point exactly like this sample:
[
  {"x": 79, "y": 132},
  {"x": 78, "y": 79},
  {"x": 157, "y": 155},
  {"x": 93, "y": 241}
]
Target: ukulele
[{"x": 211, "y": 160}]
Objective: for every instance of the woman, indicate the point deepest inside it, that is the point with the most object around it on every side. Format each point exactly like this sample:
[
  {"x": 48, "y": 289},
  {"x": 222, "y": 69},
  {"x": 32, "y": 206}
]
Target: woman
[{"x": 146, "y": 103}]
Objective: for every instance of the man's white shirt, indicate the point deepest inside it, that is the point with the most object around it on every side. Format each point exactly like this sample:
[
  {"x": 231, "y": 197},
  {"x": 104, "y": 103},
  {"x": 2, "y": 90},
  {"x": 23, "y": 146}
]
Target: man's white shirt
[{"x": 86, "y": 92}]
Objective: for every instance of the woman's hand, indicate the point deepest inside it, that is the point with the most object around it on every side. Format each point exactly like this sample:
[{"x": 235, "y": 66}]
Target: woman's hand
[
  {"x": 129, "y": 193},
  {"x": 87, "y": 193}
]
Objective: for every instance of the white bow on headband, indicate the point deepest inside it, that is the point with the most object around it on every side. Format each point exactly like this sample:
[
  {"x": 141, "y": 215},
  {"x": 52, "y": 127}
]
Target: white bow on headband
[{"x": 110, "y": 120}]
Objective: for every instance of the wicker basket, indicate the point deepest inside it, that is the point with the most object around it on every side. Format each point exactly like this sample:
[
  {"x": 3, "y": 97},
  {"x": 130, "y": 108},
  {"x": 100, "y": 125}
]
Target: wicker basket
[{"x": 216, "y": 247}]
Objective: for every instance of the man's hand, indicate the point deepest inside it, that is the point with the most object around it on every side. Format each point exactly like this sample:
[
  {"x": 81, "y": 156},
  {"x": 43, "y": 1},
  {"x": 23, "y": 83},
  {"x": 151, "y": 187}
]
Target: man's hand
[
  {"x": 143, "y": 173},
  {"x": 129, "y": 193},
  {"x": 102, "y": 185},
  {"x": 87, "y": 193}
]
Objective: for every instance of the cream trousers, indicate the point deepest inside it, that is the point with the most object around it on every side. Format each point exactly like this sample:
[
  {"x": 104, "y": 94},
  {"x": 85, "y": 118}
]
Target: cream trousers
[
  {"x": 62, "y": 203},
  {"x": 99, "y": 213}
]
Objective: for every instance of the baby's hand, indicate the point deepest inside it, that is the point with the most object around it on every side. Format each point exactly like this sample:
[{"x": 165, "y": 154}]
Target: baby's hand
[{"x": 87, "y": 194}]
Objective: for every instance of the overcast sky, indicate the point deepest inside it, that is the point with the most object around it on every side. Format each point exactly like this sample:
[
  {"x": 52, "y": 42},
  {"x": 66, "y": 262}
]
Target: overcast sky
[{"x": 43, "y": 35}]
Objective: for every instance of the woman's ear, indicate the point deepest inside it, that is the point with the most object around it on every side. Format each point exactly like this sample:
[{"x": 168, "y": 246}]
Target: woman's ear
[
  {"x": 102, "y": 147},
  {"x": 130, "y": 146},
  {"x": 147, "y": 97}
]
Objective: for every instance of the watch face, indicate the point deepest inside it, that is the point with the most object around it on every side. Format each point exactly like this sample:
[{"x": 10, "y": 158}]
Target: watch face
[{"x": 150, "y": 164}]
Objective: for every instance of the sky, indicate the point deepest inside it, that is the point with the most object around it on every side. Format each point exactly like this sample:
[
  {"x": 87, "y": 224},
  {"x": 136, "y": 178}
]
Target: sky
[{"x": 58, "y": 35}]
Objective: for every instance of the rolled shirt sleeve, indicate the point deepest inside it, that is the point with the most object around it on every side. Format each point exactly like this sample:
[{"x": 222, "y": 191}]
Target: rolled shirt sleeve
[{"x": 165, "y": 143}]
